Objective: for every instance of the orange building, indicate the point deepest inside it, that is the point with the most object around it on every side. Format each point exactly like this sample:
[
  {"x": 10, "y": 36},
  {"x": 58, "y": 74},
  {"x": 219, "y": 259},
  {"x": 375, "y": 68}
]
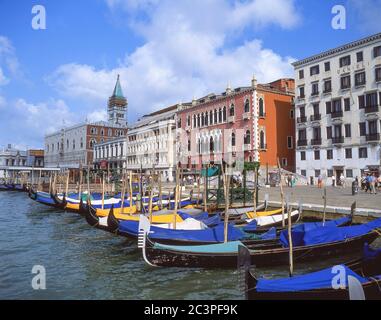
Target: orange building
[{"x": 254, "y": 123}]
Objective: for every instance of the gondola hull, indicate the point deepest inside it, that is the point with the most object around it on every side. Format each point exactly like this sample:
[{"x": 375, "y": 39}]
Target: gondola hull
[{"x": 261, "y": 258}]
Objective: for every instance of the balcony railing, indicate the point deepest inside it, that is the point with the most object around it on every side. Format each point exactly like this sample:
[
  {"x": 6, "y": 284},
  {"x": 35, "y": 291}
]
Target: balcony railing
[
  {"x": 315, "y": 93},
  {"x": 247, "y": 147},
  {"x": 370, "y": 109},
  {"x": 373, "y": 137},
  {"x": 301, "y": 119},
  {"x": 231, "y": 119},
  {"x": 336, "y": 140},
  {"x": 316, "y": 142},
  {"x": 246, "y": 116},
  {"x": 302, "y": 143},
  {"x": 263, "y": 146},
  {"x": 187, "y": 128},
  {"x": 316, "y": 117},
  {"x": 337, "y": 114}
]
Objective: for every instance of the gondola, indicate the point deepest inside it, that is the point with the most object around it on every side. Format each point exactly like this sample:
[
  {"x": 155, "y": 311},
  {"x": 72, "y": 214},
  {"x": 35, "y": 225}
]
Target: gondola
[
  {"x": 315, "y": 285},
  {"x": 308, "y": 245},
  {"x": 61, "y": 204}
]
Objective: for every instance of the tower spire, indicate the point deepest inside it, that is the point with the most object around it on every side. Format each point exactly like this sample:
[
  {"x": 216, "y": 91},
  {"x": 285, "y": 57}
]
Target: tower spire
[
  {"x": 118, "y": 89},
  {"x": 117, "y": 105}
]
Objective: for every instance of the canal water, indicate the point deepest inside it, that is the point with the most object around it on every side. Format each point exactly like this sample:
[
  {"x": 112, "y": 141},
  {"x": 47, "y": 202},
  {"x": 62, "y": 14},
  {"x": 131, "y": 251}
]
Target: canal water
[{"x": 85, "y": 263}]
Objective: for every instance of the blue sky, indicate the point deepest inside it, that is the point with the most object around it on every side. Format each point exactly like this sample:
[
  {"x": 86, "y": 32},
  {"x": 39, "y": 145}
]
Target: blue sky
[{"x": 165, "y": 51}]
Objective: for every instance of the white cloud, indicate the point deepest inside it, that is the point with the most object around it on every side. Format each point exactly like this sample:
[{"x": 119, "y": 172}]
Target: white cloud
[
  {"x": 8, "y": 59},
  {"x": 185, "y": 53},
  {"x": 97, "y": 115}
]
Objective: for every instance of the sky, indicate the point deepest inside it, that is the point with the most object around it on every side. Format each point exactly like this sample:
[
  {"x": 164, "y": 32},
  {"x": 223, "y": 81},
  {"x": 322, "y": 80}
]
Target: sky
[{"x": 165, "y": 51}]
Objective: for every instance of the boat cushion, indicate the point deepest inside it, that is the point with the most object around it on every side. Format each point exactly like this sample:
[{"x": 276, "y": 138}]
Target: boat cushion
[{"x": 228, "y": 247}]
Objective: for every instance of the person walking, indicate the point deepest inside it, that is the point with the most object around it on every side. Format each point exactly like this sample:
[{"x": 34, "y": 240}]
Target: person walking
[
  {"x": 373, "y": 182},
  {"x": 320, "y": 181},
  {"x": 367, "y": 183},
  {"x": 342, "y": 181},
  {"x": 333, "y": 181}
]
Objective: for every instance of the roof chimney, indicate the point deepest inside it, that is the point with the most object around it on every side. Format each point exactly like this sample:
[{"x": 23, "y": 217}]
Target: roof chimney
[
  {"x": 228, "y": 89},
  {"x": 254, "y": 82}
]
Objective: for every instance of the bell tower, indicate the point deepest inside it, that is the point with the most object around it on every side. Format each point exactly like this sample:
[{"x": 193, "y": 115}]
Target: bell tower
[{"x": 117, "y": 106}]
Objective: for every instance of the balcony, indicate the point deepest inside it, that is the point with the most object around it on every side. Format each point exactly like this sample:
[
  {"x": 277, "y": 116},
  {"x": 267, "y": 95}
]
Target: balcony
[
  {"x": 337, "y": 114},
  {"x": 247, "y": 147},
  {"x": 302, "y": 143},
  {"x": 337, "y": 140},
  {"x": 314, "y": 94},
  {"x": 316, "y": 142},
  {"x": 301, "y": 119},
  {"x": 187, "y": 128},
  {"x": 371, "y": 109},
  {"x": 302, "y": 96},
  {"x": 231, "y": 119},
  {"x": 374, "y": 137},
  {"x": 316, "y": 117},
  {"x": 263, "y": 146},
  {"x": 246, "y": 116}
]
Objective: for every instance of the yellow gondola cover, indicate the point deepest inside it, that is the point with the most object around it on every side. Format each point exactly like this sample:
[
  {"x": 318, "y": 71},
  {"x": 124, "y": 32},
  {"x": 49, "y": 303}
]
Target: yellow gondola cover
[{"x": 251, "y": 214}]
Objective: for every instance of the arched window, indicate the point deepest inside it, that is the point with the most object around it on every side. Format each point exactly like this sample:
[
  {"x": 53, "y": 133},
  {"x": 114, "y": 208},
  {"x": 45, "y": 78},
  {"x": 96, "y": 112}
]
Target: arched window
[
  {"x": 198, "y": 121},
  {"x": 211, "y": 144},
  {"x": 231, "y": 111},
  {"x": 215, "y": 116},
  {"x": 194, "y": 121},
  {"x": 202, "y": 119},
  {"x": 233, "y": 139},
  {"x": 199, "y": 145},
  {"x": 219, "y": 115},
  {"x": 211, "y": 116},
  {"x": 224, "y": 114},
  {"x": 261, "y": 108},
  {"x": 247, "y": 106},
  {"x": 206, "y": 119},
  {"x": 73, "y": 144},
  {"x": 247, "y": 137},
  {"x": 67, "y": 144},
  {"x": 262, "y": 142}
]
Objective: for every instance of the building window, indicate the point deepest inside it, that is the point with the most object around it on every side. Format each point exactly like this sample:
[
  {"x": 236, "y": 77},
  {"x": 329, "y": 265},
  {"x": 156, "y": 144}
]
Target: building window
[
  {"x": 377, "y": 51},
  {"x": 317, "y": 173},
  {"x": 371, "y": 99},
  {"x": 302, "y": 155},
  {"x": 314, "y": 70},
  {"x": 73, "y": 144},
  {"x": 247, "y": 106},
  {"x": 262, "y": 140},
  {"x": 363, "y": 153},
  {"x": 360, "y": 78},
  {"x": 233, "y": 139},
  {"x": 336, "y": 105},
  {"x": 224, "y": 114},
  {"x": 378, "y": 74},
  {"x": 349, "y": 173},
  {"x": 303, "y": 173},
  {"x": 345, "y": 82},
  {"x": 348, "y": 132},
  {"x": 81, "y": 143},
  {"x": 317, "y": 154},
  {"x": 359, "y": 56},
  {"x": 348, "y": 153},
  {"x": 290, "y": 143},
  {"x": 207, "y": 118},
  {"x": 301, "y": 74},
  {"x": 231, "y": 111},
  {"x": 329, "y": 132},
  {"x": 215, "y": 116},
  {"x": 327, "y": 86},
  {"x": 327, "y": 66},
  {"x": 247, "y": 137},
  {"x": 329, "y": 173},
  {"x": 329, "y": 154},
  {"x": 345, "y": 61},
  {"x": 220, "y": 115},
  {"x": 362, "y": 129},
  {"x": 315, "y": 88},
  {"x": 202, "y": 120},
  {"x": 284, "y": 162},
  {"x": 93, "y": 130},
  {"x": 361, "y": 102},
  {"x": 301, "y": 92},
  {"x": 110, "y": 132},
  {"x": 194, "y": 121},
  {"x": 189, "y": 145},
  {"x": 347, "y": 104},
  {"x": 198, "y": 121},
  {"x": 188, "y": 121},
  {"x": 211, "y": 116},
  {"x": 292, "y": 114},
  {"x": 261, "y": 108},
  {"x": 328, "y": 107}
]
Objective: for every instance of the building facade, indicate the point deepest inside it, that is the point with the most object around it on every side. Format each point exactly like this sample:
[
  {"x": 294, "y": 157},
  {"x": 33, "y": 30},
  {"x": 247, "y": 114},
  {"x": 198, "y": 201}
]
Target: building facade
[
  {"x": 111, "y": 154},
  {"x": 151, "y": 142},
  {"x": 73, "y": 147},
  {"x": 254, "y": 123},
  {"x": 337, "y": 104}
]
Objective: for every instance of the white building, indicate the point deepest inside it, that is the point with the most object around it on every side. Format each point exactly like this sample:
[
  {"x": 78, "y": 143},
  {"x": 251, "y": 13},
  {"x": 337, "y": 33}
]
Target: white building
[
  {"x": 152, "y": 142},
  {"x": 11, "y": 157},
  {"x": 73, "y": 147},
  {"x": 111, "y": 154},
  {"x": 338, "y": 96}
]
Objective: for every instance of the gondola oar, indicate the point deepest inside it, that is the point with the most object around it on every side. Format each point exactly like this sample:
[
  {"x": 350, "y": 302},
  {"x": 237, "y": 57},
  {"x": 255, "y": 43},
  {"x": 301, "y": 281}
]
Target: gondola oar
[{"x": 356, "y": 290}]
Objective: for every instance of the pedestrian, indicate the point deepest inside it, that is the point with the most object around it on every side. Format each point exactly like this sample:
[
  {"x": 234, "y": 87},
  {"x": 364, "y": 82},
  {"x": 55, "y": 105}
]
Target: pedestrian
[
  {"x": 320, "y": 181},
  {"x": 342, "y": 181},
  {"x": 333, "y": 181},
  {"x": 367, "y": 183},
  {"x": 373, "y": 182}
]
